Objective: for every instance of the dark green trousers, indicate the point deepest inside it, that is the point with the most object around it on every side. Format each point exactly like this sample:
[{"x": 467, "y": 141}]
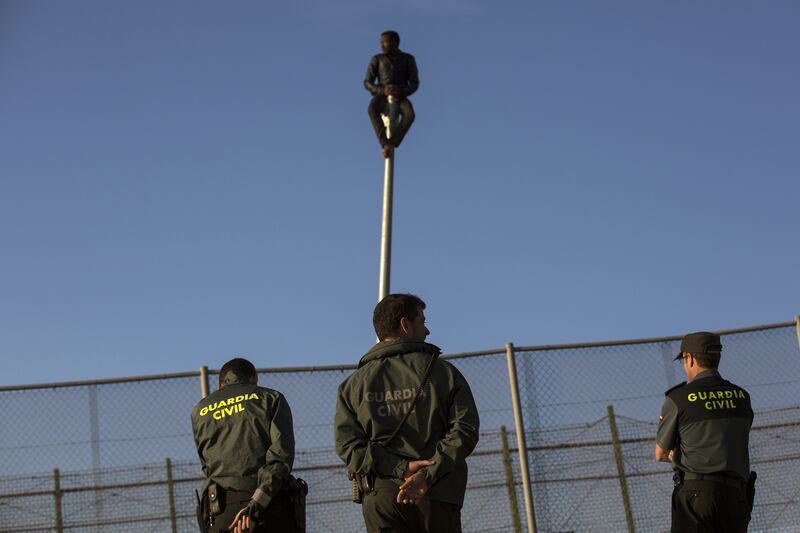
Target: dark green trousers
[
  {"x": 382, "y": 513},
  {"x": 277, "y": 518},
  {"x": 700, "y": 506}
]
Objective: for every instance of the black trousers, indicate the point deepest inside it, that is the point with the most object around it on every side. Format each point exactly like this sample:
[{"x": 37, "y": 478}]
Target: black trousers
[
  {"x": 379, "y": 105},
  {"x": 382, "y": 513},
  {"x": 277, "y": 518},
  {"x": 701, "y": 506}
]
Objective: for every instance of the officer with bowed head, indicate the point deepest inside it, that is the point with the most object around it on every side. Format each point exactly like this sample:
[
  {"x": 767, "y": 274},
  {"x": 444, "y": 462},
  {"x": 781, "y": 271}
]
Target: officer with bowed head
[
  {"x": 704, "y": 431},
  {"x": 245, "y": 439}
]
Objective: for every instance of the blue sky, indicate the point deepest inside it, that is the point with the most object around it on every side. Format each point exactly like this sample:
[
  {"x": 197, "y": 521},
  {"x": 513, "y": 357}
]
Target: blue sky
[{"x": 182, "y": 182}]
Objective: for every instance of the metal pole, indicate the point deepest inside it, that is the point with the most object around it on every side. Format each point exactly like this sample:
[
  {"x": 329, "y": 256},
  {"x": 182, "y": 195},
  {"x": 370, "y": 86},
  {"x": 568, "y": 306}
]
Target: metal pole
[
  {"x": 386, "y": 228},
  {"x": 510, "y": 483},
  {"x": 57, "y": 497},
  {"x": 386, "y": 220},
  {"x": 797, "y": 325},
  {"x": 521, "y": 446},
  {"x": 94, "y": 437},
  {"x": 203, "y": 382},
  {"x": 171, "y": 493},
  {"x": 623, "y": 482}
]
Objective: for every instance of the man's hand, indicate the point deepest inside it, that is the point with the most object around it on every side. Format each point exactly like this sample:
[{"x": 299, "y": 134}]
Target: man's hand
[
  {"x": 245, "y": 519},
  {"x": 391, "y": 90},
  {"x": 241, "y": 522},
  {"x": 415, "y": 466},
  {"x": 414, "y": 489},
  {"x": 416, "y": 486}
]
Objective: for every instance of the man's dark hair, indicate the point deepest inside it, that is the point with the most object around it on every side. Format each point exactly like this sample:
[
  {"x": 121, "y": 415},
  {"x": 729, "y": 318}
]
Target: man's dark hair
[
  {"x": 239, "y": 366},
  {"x": 393, "y": 35},
  {"x": 389, "y": 311},
  {"x": 707, "y": 360}
]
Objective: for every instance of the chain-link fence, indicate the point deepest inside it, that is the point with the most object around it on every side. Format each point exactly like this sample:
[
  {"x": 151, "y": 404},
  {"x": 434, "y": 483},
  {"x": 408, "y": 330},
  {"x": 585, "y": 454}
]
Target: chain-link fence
[{"x": 110, "y": 441}]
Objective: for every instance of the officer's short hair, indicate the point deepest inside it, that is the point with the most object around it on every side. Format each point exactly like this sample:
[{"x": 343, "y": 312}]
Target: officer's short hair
[
  {"x": 389, "y": 311},
  {"x": 391, "y": 34},
  {"x": 239, "y": 366},
  {"x": 707, "y": 360}
]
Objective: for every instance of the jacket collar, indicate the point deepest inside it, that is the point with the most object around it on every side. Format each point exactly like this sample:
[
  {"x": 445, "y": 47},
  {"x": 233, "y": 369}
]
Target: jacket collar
[{"x": 395, "y": 347}]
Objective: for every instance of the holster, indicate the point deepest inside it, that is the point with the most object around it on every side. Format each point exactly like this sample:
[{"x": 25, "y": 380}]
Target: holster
[
  {"x": 203, "y": 514},
  {"x": 360, "y": 485},
  {"x": 298, "y": 489},
  {"x": 751, "y": 493}
]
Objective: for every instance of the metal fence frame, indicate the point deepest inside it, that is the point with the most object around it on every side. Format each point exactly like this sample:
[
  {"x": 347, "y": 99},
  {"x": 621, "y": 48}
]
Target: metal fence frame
[{"x": 509, "y": 350}]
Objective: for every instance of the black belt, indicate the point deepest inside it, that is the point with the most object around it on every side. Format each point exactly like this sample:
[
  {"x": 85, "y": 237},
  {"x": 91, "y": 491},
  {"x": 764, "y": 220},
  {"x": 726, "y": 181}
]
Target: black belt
[{"x": 716, "y": 478}]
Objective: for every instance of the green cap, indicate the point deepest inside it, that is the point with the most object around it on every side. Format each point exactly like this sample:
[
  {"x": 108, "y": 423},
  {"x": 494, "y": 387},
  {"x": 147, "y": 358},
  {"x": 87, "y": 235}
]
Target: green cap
[{"x": 700, "y": 342}]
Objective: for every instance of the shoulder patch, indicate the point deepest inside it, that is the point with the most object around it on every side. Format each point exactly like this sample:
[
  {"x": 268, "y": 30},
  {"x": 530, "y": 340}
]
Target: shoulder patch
[{"x": 675, "y": 387}]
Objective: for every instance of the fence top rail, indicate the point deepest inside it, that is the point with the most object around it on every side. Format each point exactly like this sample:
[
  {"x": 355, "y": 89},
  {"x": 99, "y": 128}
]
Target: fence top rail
[
  {"x": 650, "y": 340},
  {"x": 327, "y": 368}
]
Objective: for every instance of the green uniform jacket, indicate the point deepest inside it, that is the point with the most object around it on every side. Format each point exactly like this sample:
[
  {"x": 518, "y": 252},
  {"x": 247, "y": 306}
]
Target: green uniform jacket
[
  {"x": 245, "y": 438},
  {"x": 707, "y": 425},
  {"x": 443, "y": 425}
]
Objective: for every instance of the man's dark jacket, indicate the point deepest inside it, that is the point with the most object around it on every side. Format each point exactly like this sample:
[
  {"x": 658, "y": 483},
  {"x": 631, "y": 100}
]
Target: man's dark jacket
[
  {"x": 399, "y": 70},
  {"x": 245, "y": 438},
  {"x": 443, "y": 425}
]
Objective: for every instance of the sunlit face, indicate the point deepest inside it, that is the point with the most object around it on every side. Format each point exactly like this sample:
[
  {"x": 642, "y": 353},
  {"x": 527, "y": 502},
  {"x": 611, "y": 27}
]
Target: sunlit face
[{"x": 417, "y": 330}]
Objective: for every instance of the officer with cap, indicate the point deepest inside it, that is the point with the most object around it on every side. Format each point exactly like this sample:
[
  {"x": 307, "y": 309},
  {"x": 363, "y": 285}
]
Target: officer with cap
[
  {"x": 704, "y": 431},
  {"x": 245, "y": 440}
]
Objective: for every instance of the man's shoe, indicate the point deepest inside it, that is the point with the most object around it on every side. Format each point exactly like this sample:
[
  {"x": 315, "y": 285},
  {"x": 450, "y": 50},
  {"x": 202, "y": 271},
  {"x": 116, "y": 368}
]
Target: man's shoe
[{"x": 387, "y": 150}]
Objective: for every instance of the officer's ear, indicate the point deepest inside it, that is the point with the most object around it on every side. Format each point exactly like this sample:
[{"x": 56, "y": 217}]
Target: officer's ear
[{"x": 405, "y": 327}]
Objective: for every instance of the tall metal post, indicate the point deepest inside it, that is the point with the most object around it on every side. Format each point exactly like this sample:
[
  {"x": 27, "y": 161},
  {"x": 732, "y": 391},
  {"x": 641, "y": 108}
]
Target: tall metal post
[
  {"x": 510, "y": 483},
  {"x": 623, "y": 482},
  {"x": 57, "y": 497},
  {"x": 171, "y": 495},
  {"x": 797, "y": 324},
  {"x": 386, "y": 219},
  {"x": 521, "y": 445},
  {"x": 203, "y": 382},
  {"x": 386, "y": 229}
]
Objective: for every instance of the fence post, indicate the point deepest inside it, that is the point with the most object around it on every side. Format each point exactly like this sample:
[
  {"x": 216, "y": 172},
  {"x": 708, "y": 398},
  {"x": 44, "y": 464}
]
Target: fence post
[
  {"x": 623, "y": 482},
  {"x": 203, "y": 382},
  {"x": 171, "y": 492},
  {"x": 57, "y": 498},
  {"x": 797, "y": 325},
  {"x": 521, "y": 446},
  {"x": 512, "y": 485}
]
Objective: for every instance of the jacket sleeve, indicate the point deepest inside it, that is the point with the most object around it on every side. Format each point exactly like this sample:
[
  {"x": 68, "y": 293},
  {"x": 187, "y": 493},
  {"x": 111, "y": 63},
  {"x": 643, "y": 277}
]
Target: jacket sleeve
[
  {"x": 462, "y": 433},
  {"x": 354, "y": 447},
  {"x": 413, "y": 77},
  {"x": 199, "y": 444},
  {"x": 280, "y": 454},
  {"x": 371, "y": 77}
]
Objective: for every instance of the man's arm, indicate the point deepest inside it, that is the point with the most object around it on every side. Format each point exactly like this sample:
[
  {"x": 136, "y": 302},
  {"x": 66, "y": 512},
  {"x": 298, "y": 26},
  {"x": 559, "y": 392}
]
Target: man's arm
[
  {"x": 372, "y": 75},
  {"x": 662, "y": 455},
  {"x": 667, "y": 435},
  {"x": 280, "y": 455},
  {"x": 462, "y": 433},
  {"x": 354, "y": 447},
  {"x": 413, "y": 78},
  {"x": 199, "y": 444}
]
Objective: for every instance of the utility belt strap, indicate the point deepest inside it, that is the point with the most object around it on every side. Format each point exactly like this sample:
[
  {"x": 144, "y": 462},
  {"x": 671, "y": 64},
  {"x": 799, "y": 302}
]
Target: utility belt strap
[{"x": 731, "y": 481}]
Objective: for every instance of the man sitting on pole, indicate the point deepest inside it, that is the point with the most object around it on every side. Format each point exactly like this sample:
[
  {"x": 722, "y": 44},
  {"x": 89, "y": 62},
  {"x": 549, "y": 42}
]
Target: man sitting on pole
[{"x": 391, "y": 78}]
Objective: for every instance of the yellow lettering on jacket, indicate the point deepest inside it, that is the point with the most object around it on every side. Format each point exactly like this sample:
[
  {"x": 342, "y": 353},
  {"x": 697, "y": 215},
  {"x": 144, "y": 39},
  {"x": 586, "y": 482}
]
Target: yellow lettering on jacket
[{"x": 228, "y": 406}]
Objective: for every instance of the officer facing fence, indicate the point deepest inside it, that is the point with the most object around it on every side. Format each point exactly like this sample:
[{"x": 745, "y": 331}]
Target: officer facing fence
[
  {"x": 704, "y": 431},
  {"x": 245, "y": 441},
  {"x": 405, "y": 423}
]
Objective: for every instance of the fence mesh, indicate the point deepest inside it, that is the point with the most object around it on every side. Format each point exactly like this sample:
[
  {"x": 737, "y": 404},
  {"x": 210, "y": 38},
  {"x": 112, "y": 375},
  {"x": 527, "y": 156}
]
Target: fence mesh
[{"x": 110, "y": 442}]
